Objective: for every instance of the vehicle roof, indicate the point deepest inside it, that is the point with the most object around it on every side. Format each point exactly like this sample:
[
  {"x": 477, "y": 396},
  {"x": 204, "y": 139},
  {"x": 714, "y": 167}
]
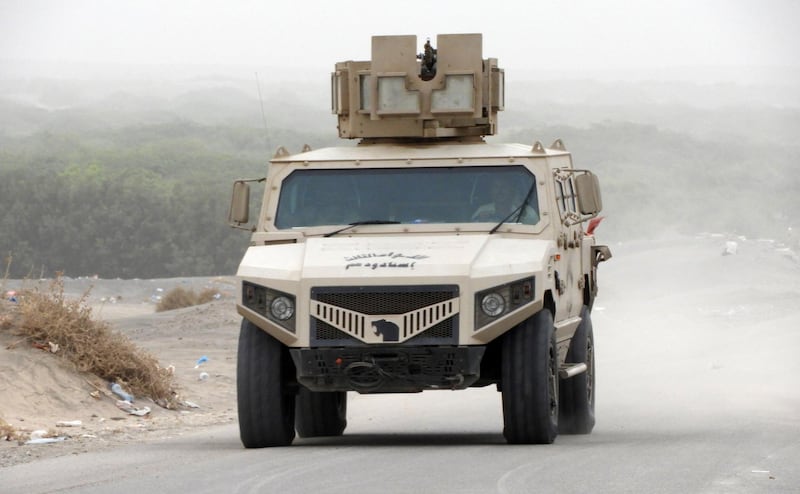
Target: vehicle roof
[{"x": 419, "y": 150}]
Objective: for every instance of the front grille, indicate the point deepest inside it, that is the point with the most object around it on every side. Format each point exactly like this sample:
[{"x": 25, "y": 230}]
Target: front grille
[
  {"x": 390, "y": 300},
  {"x": 385, "y": 300}
]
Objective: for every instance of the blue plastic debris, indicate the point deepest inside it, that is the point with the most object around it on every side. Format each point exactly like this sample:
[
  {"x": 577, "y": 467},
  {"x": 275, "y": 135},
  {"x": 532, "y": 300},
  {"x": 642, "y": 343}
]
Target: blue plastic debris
[{"x": 117, "y": 390}]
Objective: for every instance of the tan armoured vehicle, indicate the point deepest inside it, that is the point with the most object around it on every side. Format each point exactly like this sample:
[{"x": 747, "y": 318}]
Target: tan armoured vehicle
[{"x": 422, "y": 258}]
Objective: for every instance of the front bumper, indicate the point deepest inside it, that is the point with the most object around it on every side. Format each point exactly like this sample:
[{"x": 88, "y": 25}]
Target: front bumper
[{"x": 387, "y": 369}]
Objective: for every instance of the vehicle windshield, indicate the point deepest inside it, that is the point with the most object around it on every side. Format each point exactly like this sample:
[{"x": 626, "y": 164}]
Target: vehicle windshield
[{"x": 407, "y": 195}]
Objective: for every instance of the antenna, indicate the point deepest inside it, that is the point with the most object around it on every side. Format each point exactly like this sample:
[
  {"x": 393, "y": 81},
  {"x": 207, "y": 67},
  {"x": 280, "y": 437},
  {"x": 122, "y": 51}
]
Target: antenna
[{"x": 263, "y": 115}]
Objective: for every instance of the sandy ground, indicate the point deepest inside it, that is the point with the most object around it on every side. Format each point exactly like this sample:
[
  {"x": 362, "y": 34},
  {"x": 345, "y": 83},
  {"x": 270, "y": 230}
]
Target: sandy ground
[{"x": 38, "y": 389}]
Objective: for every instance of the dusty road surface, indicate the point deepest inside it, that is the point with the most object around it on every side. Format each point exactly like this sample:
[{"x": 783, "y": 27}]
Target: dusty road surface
[{"x": 696, "y": 393}]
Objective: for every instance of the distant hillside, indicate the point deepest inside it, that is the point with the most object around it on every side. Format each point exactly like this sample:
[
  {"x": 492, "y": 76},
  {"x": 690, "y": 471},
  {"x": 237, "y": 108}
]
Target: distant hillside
[{"x": 132, "y": 179}]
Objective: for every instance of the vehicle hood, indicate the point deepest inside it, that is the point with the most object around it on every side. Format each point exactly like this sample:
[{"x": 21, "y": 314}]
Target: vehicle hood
[{"x": 400, "y": 258}]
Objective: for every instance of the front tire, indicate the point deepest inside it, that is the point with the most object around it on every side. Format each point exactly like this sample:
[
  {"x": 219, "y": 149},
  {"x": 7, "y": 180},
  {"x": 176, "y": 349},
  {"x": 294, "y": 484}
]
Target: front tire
[
  {"x": 578, "y": 392},
  {"x": 264, "y": 374},
  {"x": 530, "y": 381},
  {"x": 320, "y": 413}
]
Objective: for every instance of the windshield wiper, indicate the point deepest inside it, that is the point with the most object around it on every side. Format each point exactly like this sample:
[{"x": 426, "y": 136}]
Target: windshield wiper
[
  {"x": 359, "y": 223},
  {"x": 518, "y": 210}
]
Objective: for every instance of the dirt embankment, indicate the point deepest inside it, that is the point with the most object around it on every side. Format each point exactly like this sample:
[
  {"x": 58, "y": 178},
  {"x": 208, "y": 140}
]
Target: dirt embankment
[{"x": 39, "y": 391}]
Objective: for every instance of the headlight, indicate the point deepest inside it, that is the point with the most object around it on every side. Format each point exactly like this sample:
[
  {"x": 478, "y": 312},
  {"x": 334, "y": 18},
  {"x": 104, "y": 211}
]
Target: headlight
[
  {"x": 282, "y": 308},
  {"x": 277, "y": 306},
  {"x": 498, "y": 301},
  {"x": 493, "y": 304}
]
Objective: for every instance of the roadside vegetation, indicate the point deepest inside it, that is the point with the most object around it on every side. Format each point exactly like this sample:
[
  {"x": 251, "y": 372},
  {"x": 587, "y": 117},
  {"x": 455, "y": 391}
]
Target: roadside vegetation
[
  {"x": 180, "y": 297},
  {"x": 48, "y": 320}
]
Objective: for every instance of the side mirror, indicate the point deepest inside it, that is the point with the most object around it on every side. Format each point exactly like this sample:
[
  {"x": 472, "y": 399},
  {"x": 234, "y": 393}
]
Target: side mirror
[
  {"x": 589, "y": 200},
  {"x": 239, "y": 212}
]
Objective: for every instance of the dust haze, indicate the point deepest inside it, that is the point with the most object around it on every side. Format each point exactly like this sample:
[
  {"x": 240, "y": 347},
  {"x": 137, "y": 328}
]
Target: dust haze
[{"x": 688, "y": 112}]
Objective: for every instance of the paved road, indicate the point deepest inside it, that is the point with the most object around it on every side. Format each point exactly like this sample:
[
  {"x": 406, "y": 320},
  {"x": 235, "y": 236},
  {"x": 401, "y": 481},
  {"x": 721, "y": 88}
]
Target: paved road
[
  {"x": 446, "y": 443},
  {"x": 697, "y": 393}
]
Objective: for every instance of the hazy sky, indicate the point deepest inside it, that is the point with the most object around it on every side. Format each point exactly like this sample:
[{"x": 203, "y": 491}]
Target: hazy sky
[{"x": 533, "y": 34}]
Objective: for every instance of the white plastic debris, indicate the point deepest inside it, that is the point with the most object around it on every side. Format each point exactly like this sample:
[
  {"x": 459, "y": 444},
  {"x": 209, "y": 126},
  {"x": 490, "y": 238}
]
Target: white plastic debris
[
  {"x": 69, "y": 423},
  {"x": 127, "y": 406},
  {"x": 46, "y": 440},
  {"x": 730, "y": 248},
  {"x": 39, "y": 437}
]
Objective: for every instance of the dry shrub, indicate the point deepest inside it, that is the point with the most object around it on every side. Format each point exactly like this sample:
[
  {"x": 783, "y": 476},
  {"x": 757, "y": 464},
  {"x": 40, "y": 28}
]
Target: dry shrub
[
  {"x": 90, "y": 344},
  {"x": 179, "y": 297},
  {"x": 7, "y": 314},
  {"x": 8, "y": 432}
]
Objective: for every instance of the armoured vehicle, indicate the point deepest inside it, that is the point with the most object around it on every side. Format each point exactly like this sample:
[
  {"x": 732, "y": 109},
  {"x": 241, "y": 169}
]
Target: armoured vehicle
[{"x": 422, "y": 258}]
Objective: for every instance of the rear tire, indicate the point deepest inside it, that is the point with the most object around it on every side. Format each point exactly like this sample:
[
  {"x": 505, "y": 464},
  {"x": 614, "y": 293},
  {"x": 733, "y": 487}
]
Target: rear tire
[
  {"x": 264, "y": 375},
  {"x": 578, "y": 392},
  {"x": 320, "y": 413},
  {"x": 530, "y": 381}
]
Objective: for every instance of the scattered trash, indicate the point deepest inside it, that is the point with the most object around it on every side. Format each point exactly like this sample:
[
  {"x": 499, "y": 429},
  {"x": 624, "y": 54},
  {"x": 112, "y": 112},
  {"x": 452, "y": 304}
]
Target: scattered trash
[
  {"x": 69, "y": 423},
  {"x": 117, "y": 389},
  {"x": 788, "y": 253},
  {"x": 157, "y": 295},
  {"x": 38, "y": 434},
  {"x": 217, "y": 296},
  {"x": 730, "y": 248},
  {"x": 46, "y": 440},
  {"x": 190, "y": 404},
  {"x": 126, "y": 406},
  {"x": 200, "y": 361},
  {"x": 11, "y": 296},
  {"x": 203, "y": 376},
  {"x": 41, "y": 437},
  {"x": 53, "y": 346},
  {"x": 95, "y": 394}
]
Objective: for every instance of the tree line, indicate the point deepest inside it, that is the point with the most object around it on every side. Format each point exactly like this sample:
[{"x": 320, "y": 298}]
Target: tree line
[
  {"x": 143, "y": 202},
  {"x": 151, "y": 200}
]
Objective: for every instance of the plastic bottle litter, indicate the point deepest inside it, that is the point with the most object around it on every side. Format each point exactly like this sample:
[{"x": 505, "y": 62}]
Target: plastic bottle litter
[
  {"x": 200, "y": 361},
  {"x": 203, "y": 376},
  {"x": 117, "y": 390}
]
